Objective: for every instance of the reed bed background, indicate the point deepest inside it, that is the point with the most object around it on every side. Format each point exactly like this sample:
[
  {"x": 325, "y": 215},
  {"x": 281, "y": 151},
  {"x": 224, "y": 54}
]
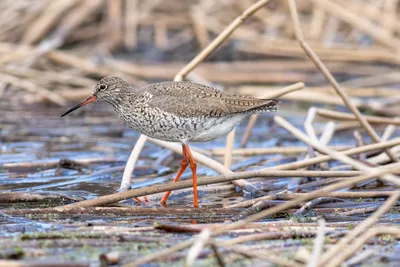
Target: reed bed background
[{"x": 323, "y": 192}]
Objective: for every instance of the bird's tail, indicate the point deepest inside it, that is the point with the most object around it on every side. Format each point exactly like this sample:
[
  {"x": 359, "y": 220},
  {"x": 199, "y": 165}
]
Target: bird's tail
[{"x": 270, "y": 105}]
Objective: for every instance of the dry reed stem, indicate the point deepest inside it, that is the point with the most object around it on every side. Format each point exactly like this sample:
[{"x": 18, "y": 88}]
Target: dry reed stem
[
  {"x": 337, "y": 115},
  {"x": 361, "y": 257},
  {"x": 323, "y": 98},
  {"x": 389, "y": 131},
  {"x": 199, "y": 242},
  {"x": 360, "y": 142},
  {"x": 268, "y": 150},
  {"x": 308, "y": 124},
  {"x": 373, "y": 80},
  {"x": 249, "y": 129},
  {"x": 310, "y": 53},
  {"x": 328, "y": 257},
  {"x": 318, "y": 245},
  {"x": 326, "y": 135},
  {"x": 217, "y": 255},
  {"x": 230, "y": 140},
  {"x": 130, "y": 165},
  {"x": 359, "y": 211},
  {"x": 285, "y": 90},
  {"x": 313, "y": 203},
  {"x": 383, "y": 158},
  {"x": 369, "y": 91},
  {"x": 317, "y": 22},
  {"x": 328, "y": 132}
]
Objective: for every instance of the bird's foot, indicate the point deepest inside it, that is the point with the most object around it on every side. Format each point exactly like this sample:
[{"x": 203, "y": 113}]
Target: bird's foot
[
  {"x": 125, "y": 188},
  {"x": 139, "y": 200},
  {"x": 163, "y": 203}
]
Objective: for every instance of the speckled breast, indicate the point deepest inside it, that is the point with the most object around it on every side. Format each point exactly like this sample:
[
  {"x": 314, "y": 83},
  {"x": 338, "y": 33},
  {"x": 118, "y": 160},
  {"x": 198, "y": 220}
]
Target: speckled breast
[{"x": 155, "y": 123}]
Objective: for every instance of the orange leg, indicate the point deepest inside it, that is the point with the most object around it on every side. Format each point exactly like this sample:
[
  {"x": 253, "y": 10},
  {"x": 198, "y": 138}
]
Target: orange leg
[
  {"x": 193, "y": 166},
  {"x": 184, "y": 164}
]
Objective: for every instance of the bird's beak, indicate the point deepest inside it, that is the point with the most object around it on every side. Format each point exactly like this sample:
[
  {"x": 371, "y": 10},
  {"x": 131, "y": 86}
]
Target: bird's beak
[{"x": 88, "y": 100}]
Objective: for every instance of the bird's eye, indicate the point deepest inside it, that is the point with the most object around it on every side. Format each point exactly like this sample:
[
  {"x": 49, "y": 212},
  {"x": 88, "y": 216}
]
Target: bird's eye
[{"x": 103, "y": 87}]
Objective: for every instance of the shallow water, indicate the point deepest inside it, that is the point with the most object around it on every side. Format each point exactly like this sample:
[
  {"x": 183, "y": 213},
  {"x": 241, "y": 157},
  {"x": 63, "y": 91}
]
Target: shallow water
[{"x": 83, "y": 156}]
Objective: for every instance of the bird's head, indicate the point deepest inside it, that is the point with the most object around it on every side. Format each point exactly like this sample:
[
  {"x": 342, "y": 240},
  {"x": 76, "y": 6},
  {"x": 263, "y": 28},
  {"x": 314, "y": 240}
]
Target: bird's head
[{"x": 107, "y": 89}]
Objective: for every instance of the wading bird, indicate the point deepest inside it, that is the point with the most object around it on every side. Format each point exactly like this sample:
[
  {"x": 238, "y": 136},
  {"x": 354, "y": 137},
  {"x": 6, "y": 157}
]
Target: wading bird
[{"x": 177, "y": 112}]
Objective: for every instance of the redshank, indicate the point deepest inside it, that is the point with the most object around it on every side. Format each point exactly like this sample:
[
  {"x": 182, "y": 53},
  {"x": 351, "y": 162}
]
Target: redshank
[{"x": 177, "y": 112}]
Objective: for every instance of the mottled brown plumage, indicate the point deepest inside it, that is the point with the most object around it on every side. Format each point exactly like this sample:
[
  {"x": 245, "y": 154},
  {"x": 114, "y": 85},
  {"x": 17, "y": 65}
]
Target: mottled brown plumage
[
  {"x": 177, "y": 112},
  {"x": 189, "y": 99}
]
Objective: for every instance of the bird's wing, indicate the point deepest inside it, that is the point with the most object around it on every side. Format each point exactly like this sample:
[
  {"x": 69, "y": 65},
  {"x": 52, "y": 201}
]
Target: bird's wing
[{"x": 187, "y": 99}]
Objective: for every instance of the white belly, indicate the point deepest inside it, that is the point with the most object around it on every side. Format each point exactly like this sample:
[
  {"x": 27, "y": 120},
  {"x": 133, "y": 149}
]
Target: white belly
[{"x": 217, "y": 127}]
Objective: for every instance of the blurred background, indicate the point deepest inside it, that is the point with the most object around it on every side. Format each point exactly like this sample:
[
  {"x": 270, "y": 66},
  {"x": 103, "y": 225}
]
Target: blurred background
[{"x": 52, "y": 52}]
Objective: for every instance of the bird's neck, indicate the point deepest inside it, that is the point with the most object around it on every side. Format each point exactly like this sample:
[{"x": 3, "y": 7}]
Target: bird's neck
[{"x": 117, "y": 102}]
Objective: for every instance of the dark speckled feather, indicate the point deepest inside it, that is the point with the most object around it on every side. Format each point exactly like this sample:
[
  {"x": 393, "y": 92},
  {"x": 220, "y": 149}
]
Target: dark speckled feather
[{"x": 189, "y": 99}]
